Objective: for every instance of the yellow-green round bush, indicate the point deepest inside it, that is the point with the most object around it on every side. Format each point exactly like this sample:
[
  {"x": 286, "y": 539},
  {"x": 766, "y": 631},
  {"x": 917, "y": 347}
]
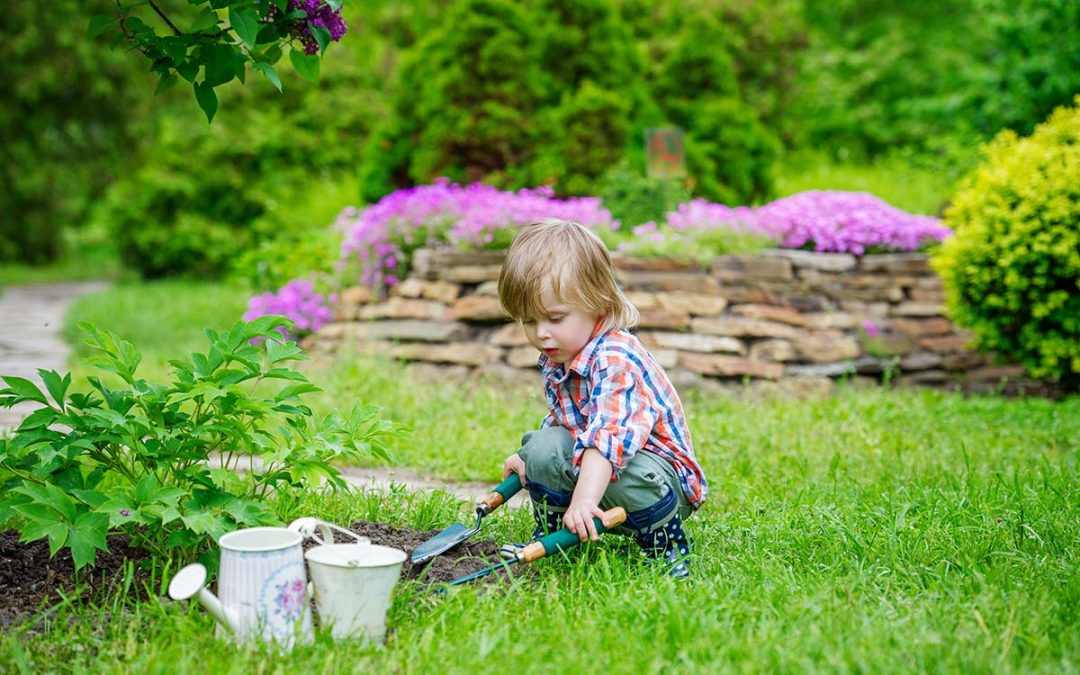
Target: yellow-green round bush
[{"x": 1012, "y": 269}]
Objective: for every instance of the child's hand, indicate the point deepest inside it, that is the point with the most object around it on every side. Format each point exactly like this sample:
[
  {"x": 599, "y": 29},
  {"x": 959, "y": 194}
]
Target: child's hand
[
  {"x": 514, "y": 464},
  {"x": 579, "y": 519}
]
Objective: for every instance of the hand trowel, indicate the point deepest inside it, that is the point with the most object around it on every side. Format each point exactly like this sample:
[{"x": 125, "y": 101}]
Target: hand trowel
[{"x": 457, "y": 533}]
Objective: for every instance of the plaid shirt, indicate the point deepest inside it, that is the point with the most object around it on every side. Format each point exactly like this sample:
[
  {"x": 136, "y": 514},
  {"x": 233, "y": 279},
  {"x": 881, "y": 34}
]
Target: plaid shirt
[{"x": 616, "y": 398}]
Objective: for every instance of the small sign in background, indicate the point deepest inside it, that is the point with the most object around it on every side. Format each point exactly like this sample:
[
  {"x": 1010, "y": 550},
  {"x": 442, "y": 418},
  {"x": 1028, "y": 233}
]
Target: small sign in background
[{"x": 665, "y": 155}]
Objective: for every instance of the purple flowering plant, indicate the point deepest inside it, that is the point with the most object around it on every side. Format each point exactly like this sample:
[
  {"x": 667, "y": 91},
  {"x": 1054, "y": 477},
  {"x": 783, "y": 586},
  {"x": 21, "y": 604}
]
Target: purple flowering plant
[
  {"x": 380, "y": 239},
  {"x": 298, "y": 300},
  {"x": 847, "y": 222},
  {"x": 384, "y": 235}
]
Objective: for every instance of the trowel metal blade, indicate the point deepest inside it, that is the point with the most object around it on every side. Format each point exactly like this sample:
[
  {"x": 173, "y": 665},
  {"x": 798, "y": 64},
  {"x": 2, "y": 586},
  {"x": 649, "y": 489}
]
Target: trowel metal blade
[{"x": 443, "y": 541}]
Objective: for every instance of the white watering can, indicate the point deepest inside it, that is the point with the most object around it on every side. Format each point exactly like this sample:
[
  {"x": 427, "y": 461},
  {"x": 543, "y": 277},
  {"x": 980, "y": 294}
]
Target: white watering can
[
  {"x": 265, "y": 593},
  {"x": 263, "y": 587},
  {"x": 352, "y": 582}
]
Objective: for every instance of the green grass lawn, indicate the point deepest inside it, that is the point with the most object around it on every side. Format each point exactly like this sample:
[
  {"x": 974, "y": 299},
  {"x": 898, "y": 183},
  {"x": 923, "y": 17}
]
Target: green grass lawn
[{"x": 872, "y": 531}]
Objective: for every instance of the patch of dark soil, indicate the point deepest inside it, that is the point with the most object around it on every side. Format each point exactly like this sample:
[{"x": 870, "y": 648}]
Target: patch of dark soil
[{"x": 30, "y": 578}]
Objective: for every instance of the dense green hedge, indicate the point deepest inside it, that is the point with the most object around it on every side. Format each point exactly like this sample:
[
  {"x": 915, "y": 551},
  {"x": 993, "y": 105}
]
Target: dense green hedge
[
  {"x": 63, "y": 122},
  {"x": 1012, "y": 270},
  {"x": 938, "y": 77}
]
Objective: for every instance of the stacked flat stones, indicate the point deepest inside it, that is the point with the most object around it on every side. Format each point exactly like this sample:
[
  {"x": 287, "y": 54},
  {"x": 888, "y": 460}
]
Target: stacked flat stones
[{"x": 776, "y": 315}]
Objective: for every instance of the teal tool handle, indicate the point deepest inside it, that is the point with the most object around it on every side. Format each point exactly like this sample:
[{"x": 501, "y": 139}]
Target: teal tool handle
[
  {"x": 564, "y": 538},
  {"x": 510, "y": 486}
]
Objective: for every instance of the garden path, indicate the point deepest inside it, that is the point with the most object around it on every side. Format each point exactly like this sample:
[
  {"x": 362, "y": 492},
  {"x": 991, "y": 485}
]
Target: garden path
[{"x": 31, "y": 320}]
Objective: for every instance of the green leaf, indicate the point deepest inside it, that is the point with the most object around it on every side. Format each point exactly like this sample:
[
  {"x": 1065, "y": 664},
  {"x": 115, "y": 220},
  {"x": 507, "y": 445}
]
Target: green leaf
[
  {"x": 272, "y": 54},
  {"x": 307, "y": 66},
  {"x": 23, "y": 389},
  {"x": 119, "y": 510},
  {"x": 166, "y": 82},
  {"x": 87, "y": 537},
  {"x": 207, "y": 99},
  {"x": 41, "y": 417},
  {"x": 205, "y": 522},
  {"x": 61, "y": 501},
  {"x": 206, "y": 20},
  {"x": 219, "y": 64},
  {"x": 145, "y": 488},
  {"x": 188, "y": 70},
  {"x": 267, "y": 34},
  {"x": 288, "y": 351},
  {"x": 56, "y": 531},
  {"x": 294, "y": 390},
  {"x": 249, "y": 512},
  {"x": 99, "y": 25},
  {"x": 175, "y": 48},
  {"x": 322, "y": 36},
  {"x": 91, "y": 498},
  {"x": 56, "y": 385},
  {"x": 245, "y": 23},
  {"x": 268, "y": 71},
  {"x": 285, "y": 374},
  {"x": 335, "y": 4}
]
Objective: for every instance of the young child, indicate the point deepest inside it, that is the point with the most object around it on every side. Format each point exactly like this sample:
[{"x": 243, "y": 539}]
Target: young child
[{"x": 615, "y": 433}]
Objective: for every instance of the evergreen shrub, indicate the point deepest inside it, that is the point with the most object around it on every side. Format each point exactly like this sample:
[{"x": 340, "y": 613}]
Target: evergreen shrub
[{"x": 1012, "y": 270}]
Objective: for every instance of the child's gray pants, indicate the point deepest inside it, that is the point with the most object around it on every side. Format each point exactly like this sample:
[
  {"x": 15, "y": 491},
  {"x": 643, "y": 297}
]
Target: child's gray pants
[{"x": 648, "y": 488}]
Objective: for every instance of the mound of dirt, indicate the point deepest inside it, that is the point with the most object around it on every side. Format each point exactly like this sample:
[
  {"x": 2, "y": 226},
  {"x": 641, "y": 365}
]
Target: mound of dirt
[
  {"x": 30, "y": 579},
  {"x": 465, "y": 558}
]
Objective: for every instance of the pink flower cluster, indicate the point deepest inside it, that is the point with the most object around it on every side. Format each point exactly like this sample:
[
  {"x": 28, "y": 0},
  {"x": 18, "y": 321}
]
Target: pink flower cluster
[
  {"x": 849, "y": 222},
  {"x": 699, "y": 214},
  {"x": 465, "y": 216},
  {"x": 297, "y": 300}
]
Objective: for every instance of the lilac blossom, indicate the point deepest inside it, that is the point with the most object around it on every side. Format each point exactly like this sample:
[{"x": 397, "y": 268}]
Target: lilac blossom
[
  {"x": 298, "y": 301},
  {"x": 319, "y": 15}
]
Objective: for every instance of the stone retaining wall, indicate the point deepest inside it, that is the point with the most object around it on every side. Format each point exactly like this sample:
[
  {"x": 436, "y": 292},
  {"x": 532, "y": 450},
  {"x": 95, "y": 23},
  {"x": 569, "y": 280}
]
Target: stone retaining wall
[{"x": 774, "y": 316}]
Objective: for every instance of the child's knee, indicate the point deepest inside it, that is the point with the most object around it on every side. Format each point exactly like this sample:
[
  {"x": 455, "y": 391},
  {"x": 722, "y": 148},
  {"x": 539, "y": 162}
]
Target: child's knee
[{"x": 548, "y": 456}]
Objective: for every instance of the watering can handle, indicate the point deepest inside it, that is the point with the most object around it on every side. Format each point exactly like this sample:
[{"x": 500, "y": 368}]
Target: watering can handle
[{"x": 307, "y": 527}]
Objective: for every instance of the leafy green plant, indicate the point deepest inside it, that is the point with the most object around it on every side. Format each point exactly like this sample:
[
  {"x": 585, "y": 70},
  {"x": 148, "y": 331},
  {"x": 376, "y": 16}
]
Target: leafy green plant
[
  {"x": 634, "y": 198},
  {"x": 698, "y": 245},
  {"x": 1012, "y": 270},
  {"x": 222, "y": 37},
  {"x": 173, "y": 465}
]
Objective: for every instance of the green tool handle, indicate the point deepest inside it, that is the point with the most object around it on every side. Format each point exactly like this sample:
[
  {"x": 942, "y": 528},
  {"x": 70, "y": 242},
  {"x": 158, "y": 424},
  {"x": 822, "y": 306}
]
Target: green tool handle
[
  {"x": 564, "y": 538},
  {"x": 510, "y": 486}
]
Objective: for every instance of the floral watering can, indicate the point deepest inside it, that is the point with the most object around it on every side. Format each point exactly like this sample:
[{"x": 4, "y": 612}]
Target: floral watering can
[{"x": 263, "y": 593}]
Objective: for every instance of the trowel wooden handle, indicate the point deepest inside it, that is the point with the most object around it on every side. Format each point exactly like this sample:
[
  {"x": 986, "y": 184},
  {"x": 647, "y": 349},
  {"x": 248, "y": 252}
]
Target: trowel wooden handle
[
  {"x": 502, "y": 492},
  {"x": 564, "y": 538}
]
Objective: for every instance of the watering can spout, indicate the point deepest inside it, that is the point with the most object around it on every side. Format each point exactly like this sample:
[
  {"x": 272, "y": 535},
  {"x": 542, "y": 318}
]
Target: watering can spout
[{"x": 191, "y": 582}]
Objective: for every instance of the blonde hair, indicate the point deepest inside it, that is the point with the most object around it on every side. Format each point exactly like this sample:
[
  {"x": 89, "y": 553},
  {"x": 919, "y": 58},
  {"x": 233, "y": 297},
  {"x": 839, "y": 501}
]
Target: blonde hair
[{"x": 570, "y": 260}]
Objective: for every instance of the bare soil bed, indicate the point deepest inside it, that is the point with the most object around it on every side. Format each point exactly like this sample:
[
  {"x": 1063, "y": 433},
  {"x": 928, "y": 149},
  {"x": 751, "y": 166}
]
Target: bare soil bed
[{"x": 31, "y": 580}]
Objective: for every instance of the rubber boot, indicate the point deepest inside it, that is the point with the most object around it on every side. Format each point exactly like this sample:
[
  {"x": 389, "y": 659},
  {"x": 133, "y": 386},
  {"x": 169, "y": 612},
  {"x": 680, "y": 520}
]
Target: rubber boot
[{"x": 670, "y": 544}]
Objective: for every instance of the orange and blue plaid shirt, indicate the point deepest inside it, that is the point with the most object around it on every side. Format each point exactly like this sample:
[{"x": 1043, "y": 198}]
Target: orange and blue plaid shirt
[{"x": 615, "y": 397}]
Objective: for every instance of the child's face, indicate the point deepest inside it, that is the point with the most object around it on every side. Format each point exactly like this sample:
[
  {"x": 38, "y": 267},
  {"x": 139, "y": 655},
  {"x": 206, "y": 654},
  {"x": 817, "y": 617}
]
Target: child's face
[{"x": 562, "y": 331}]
